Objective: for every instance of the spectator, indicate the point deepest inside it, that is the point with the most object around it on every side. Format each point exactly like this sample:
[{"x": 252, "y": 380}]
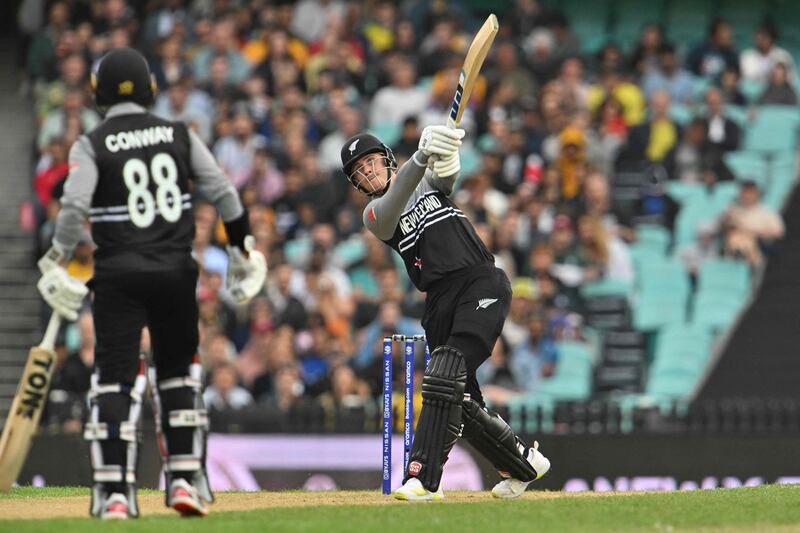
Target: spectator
[
  {"x": 669, "y": 76},
  {"x": 779, "y": 91},
  {"x": 685, "y": 161},
  {"x": 523, "y": 302},
  {"x": 729, "y": 86},
  {"x": 535, "y": 359},
  {"x": 749, "y": 226},
  {"x": 647, "y": 56},
  {"x": 395, "y": 102},
  {"x": 758, "y": 62},
  {"x": 236, "y": 152},
  {"x": 181, "y": 103},
  {"x": 722, "y": 133},
  {"x": 311, "y": 17},
  {"x": 223, "y": 392},
  {"x": 56, "y": 125},
  {"x": 626, "y": 93},
  {"x": 222, "y": 44},
  {"x": 349, "y": 123},
  {"x": 653, "y": 139},
  {"x": 716, "y": 54}
]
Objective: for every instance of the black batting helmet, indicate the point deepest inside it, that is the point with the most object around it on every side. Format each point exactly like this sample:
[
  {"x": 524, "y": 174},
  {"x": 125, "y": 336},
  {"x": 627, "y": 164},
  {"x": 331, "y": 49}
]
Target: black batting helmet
[
  {"x": 360, "y": 145},
  {"x": 123, "y": 75}
]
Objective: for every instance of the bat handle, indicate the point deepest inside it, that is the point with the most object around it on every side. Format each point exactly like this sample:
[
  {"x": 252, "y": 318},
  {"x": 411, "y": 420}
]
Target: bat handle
[{"x": 49, "y": 340}]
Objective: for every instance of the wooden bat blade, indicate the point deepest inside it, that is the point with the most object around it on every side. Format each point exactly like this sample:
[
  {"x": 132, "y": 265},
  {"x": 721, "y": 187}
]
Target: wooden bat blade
[
  {"x": 472, "y": 67},
  {"x": 26, "y": 410}
]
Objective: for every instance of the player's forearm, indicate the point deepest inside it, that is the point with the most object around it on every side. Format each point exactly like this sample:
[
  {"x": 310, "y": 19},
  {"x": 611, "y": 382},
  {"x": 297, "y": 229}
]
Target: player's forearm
[
  {"x": 69, "y": 226},
  {"x": 383, "y": 214}
]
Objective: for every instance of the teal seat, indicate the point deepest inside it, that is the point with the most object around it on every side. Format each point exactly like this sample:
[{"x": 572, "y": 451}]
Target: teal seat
[
  {"x": 684, "y": 193},
  {"x": 773, "y": 130},
  {"x": 724, "y": 194},
  {"x": 716, "y": 311},
  {"x": 470, "y": 161},
  {"x": 606, "y": 287},
  {"x": 667, "y": 276},
  {"x": 747, "y": 166},
  {"x": 738, "y": 114},
  {"x": 751, "y": 89},
  {"x": 388, "y": 132},
  {"x": 567, "y": 388},
  {"x": 678, "y": 340},
  {"x": 682, "y": 114},
  {"x": 653, "y": 236},
  {"x": 725, "y": 275},
  {"x": 671, "y": 384},
  {"x": 690, "y": 216},
  {"x": 651, "y": 315},
  {"x": 575, "y": 350}
]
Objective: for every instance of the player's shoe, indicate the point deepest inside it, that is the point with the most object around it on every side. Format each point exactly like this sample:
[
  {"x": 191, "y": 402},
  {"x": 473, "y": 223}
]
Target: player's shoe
[
  {"x": 513, "y": 488},
  {"x": 115, "y": 507},
  {"x": 183, "y": 498},
  {"x": 413, "y": 491}
]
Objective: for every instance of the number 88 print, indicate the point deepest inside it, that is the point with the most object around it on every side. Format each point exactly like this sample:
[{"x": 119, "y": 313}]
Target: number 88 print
[{"x": 142, "y": 207}]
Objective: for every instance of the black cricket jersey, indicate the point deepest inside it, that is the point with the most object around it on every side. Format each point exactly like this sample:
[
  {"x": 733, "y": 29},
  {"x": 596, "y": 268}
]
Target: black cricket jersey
[
  {"x": 435, "y": 238},
  {"x": 141, "y": 210}
]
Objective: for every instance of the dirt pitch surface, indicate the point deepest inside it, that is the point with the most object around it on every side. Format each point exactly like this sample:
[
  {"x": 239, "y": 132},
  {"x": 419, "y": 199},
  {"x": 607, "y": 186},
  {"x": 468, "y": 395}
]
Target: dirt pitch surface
[{"x": 152, "y": 503}]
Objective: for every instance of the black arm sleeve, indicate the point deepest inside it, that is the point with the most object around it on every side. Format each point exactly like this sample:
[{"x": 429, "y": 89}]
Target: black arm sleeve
[{"x": 237, "y": 229}]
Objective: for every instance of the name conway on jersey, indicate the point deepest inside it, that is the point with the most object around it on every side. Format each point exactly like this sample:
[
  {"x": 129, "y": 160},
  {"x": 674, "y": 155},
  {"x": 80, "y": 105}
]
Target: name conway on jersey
[{"x": 128, "y": 140}]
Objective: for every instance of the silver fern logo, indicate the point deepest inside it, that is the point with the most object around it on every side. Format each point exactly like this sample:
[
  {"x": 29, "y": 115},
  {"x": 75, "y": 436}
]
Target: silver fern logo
[
  {"x": 483, "y": 303},
  {"x": 352, "y": 146}
]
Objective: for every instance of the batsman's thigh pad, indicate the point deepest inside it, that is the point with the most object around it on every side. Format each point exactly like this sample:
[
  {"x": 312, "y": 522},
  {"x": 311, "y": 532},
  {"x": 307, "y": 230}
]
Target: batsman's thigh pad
[{"x": 488, "y": 433}]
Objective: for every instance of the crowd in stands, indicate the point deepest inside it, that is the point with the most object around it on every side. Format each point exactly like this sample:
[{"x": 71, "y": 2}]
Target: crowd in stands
[{"x": 275, "y": 87}]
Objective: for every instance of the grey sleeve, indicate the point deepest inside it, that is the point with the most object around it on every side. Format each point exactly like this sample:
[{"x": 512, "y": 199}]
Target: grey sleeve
[
  {"x": 212, "y": 183},
  {"x": 77, "y": 198},
  {"x": 382, "y": 214},
  {"x": 445, "y": 185}
]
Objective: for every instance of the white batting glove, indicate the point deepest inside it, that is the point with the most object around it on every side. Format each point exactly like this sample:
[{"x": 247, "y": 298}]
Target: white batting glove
[
  {"x": 444, "y": 168},
  {"x": 246, "y": 275},
  {"x": 440, "y": 140},
  {"x": 63, "y": 293},
  {"x": 51, "y": 259}
]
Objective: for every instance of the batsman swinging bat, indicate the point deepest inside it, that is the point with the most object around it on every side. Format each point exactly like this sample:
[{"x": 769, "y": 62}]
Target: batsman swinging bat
[
  {"x": 472, "y": 67},
  {"x": 29, "y": 402}
]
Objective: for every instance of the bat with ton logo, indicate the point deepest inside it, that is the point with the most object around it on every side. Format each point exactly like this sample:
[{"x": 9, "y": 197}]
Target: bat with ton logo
[
  {"x": 29, "y": 402},
  {"x": 472, "y": 67}
]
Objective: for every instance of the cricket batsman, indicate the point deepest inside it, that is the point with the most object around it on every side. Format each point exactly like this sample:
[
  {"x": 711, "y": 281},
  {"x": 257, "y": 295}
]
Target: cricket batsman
[
  {"x": 130, "y": 177},
  {"x": 466, "y": 305}
]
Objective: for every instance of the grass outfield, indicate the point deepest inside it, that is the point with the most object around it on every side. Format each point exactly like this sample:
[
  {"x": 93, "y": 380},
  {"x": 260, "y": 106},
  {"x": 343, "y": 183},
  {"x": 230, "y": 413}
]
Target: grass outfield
[{"x": 762, "y": 509}]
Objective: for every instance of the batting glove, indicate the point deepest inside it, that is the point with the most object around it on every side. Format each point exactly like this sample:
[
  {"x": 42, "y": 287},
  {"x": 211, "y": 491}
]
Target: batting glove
[
  {"x": 63, "y": 293},
  {"x": 246, "y": 275},
  {"x": 440, "y": 140},
  {"x": 444, "y": 168}
]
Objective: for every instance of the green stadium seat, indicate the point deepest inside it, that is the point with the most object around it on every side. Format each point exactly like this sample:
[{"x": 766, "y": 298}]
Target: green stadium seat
[
  {"x": 773, "y": 130},
  {"x": 682, "y": 114},
  {"x": 668, "y": 276},
  {"x": 738, "y": 114},
  {"x": 388, "y": 132},
  {"x": 690, "y": 216},
  {"x": 671, "y": 384},
  {"x": 630, "y": 16},
  {"x": 575, "y": 351},
  {"x": 747, "y": 165},
  {"x": 724, "y": 194},
  {"x": 653, "y": 236},
  {"x": 683, "y": 192},
  {"x": 751, "y": 89},
  {"x": 724, "y": 275},
  {"x": 716, "y": 311},
  {"x": 606, "y": 287},
  {"x": 653, "y": 314}
]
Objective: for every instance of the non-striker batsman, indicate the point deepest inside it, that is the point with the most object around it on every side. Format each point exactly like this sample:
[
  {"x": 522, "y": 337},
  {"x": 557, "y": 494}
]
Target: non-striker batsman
[{"x": 130, "y": 177}]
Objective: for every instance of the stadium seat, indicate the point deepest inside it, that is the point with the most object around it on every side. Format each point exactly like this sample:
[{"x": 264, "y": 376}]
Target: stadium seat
[
  {"x": 716, "y": 311},
  {"x": 654, "y": 313},
  {"x": 683, "y": 192},
  {"x": 606, "y": 287},
  {"x": 653, "y": 236},
  {"x": 747, "y": 165},
  {"x": 388, "y": 132},
  {"x": 751, "y": 89},
  {"x": 682, "y": 114},
  {"x": 629, "y": 18},
  {"x": 724, "y": 275},
  {"x": 690, "y": 216},
  {"x": 773, "y": 130},
  {"x": 664, "y": 277},
  {"x": 672, "y": 383}
]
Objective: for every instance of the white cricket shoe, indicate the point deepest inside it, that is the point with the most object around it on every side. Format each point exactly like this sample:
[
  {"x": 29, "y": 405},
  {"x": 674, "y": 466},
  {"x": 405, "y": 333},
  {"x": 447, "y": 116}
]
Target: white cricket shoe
[
  {"x": 183, "y": 498},
  {"x": 513, "y": 488},
  {"x": 115, "y": 507},
  {"x": 413, "y": 491}
]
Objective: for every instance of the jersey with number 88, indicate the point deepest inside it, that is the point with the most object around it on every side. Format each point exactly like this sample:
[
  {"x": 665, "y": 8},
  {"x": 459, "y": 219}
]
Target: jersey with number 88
[{"x": 142, "y": 207}]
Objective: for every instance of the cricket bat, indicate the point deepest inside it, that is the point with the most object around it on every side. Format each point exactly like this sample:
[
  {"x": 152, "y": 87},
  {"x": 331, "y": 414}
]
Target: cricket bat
[
  {"x": 29, "y": 402},
  {"x": 472, "y": 67}
]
